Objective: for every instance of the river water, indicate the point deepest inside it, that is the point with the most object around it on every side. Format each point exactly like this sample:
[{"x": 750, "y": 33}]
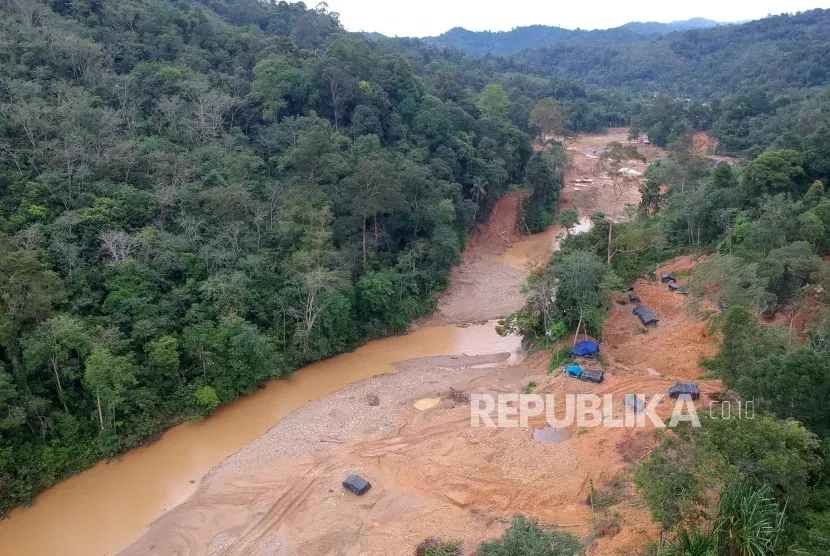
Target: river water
[{"x": 104, "y": 509}]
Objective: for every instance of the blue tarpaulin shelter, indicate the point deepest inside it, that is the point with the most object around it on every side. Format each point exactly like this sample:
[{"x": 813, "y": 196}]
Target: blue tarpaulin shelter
[
  {"x": 586, "y": 348},
  {"x": 574, "y": 370}
]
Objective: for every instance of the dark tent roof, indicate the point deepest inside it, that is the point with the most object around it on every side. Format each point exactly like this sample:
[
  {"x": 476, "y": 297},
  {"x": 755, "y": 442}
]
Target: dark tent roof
[
  {"x": 666, "y": 277},
  {"x": 586, "y": 347},
  {"x": 356, "y": 484},
  {"x": 646, "y": 316},
  {"x": 635, "y": 402},
  {"x": 685, "y": 389},
  {"x": 633, "y": 298},
  {"x": 589, "y": 375},
  {"x": 675, "y": 287}
]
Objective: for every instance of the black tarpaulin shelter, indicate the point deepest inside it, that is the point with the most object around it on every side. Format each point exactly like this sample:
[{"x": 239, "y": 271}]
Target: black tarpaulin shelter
[
  {"x": 589, "y": 375},
  {"x": 645, "y": 315},
  {"x": 674, "y": 287},
  {"x": 666, "y": 277},
  {"x": 633, "y": 298},
  {"x": 356, "y": 484},
  {"x": 690, "y": 389}
]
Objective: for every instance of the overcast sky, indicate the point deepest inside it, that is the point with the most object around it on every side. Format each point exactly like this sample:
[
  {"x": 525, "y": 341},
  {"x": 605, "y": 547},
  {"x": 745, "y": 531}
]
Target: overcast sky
[{"x": 420, "y": 18}]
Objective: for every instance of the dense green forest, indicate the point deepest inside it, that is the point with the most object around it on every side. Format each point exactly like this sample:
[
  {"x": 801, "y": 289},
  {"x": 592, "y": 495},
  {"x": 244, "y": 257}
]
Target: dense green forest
[
  {"x": 748, "y": 85},
  {"x": 538, "y": 36},
  {"x": 779, "y": 52},
  {"x": 196, "y": 197}
]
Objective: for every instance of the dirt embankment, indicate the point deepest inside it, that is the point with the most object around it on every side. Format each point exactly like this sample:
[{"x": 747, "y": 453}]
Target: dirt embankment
[
  {"x": 432, "y": 473},
  {"x": 483, "y": 287},
  {"x": 675, "y": 347}
]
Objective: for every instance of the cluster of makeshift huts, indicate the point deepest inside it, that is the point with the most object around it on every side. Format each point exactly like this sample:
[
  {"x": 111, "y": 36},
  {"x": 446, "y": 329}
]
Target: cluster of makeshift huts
[
  {"x": 667, "y": 278},
  {"x": 590, "y": 348},
  {"x": 585, "y": 348}
]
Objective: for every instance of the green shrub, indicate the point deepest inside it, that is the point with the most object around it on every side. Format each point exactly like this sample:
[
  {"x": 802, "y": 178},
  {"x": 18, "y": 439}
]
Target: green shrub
[
  {"x": 610, "y": 495},
  {"x": 529, "y": 538},
  {"x": 559, "y": 358},
  {"x": 206, "y": 400},
  {"x": 438, "y": 547}
]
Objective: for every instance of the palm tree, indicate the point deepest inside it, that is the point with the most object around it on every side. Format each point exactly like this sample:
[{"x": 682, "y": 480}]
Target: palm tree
[
  {"x": 749, "y": 522},
  {"x": 692, "y": 543},
  {"x": 478, "y": 192}
]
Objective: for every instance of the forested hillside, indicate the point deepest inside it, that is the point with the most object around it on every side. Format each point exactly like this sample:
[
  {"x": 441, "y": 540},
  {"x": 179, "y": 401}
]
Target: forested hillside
[
  {"x": 748, "y": 85},
  {"x": 778, "y": 52},
  {"x": 196, "y": 198},
  {"x": 652, "y": 28},
  {"x": 537, "y": 36}
]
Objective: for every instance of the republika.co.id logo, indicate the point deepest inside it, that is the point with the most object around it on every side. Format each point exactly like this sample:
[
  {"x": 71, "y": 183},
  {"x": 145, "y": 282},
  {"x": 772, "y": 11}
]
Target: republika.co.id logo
[{"x": 589, "y": 410}]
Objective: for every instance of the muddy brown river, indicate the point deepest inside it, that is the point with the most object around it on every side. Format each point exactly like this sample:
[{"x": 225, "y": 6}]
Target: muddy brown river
[
  {"x": 104, "y": 509},
  {"x": 107, "y": 507}
]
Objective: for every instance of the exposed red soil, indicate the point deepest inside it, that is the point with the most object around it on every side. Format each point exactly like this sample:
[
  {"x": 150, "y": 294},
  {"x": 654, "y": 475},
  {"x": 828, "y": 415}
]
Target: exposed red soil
[
  {"x": 675, "y": 346},
  {"x": 587, "y": 188},
  {"x": 483, "y": 287},
  {"x": 499, "y": 232},
  {"x": 707, "y": 146}
]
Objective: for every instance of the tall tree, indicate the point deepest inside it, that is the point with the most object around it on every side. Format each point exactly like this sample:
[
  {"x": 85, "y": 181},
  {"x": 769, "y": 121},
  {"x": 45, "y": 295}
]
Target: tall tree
[
  {"x": 615, "y": 161},
  {"x": 494, "y": 102},
  {"x": 373, "y": 189},
  {"x": 109, "y": 377},
  {"x": 548, "y": 119},
  {"x": 274, "y": 78},
  {"x": 53, "y": 343}
]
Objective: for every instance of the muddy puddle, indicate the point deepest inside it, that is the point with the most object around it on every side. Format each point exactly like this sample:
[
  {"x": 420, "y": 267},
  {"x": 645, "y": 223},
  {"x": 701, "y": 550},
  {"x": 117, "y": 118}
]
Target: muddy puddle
[
  {"x": 551, "y": 435},
  {"x": 426, "y": 403},
  {"x": 107, "y": 507}
]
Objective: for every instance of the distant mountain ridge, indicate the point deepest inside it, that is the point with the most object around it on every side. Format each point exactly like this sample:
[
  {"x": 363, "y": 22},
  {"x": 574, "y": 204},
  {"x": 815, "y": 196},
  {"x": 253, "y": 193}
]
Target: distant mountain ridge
[
  {"x": 652, "y": 28},
  {"x": 536, "y": 36}
]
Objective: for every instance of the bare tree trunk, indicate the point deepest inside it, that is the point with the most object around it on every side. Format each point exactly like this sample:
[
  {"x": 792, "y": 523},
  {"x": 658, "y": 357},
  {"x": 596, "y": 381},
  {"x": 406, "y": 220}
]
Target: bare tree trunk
[
  {"x": 364, "y": 239},
  {"x": 18, "y": 372},
  {"x": 100, "y": 414},
  {"x": 610, "y": 232},
  {"x": 54, "y": 361},
  {"x": 578, "y": 325}
]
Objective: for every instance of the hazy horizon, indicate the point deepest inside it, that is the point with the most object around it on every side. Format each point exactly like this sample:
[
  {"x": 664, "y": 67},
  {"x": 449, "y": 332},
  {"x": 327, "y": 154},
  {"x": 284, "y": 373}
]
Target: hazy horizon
[{"x": 433, "y": 17}]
